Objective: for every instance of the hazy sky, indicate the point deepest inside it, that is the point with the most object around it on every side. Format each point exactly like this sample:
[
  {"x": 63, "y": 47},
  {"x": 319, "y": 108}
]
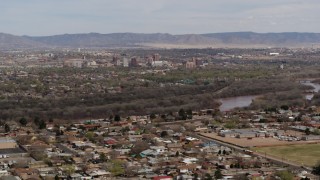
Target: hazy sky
[{"x": 48, "y": 17}]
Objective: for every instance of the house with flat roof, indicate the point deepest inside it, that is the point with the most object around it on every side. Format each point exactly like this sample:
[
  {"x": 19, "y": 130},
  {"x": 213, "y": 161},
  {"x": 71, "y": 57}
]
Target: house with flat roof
[{"x": 7, "y": 143}]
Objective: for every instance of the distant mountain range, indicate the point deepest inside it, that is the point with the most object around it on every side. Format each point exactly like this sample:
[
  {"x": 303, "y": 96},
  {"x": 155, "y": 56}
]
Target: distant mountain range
[
  {"x": 96, "y": 40},
  {"x": 8, "y": 41}
]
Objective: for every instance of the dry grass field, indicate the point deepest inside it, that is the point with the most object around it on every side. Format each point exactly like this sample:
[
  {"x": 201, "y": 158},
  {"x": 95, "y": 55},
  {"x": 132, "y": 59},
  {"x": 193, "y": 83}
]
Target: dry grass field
[{"x": 304, "y": 154}]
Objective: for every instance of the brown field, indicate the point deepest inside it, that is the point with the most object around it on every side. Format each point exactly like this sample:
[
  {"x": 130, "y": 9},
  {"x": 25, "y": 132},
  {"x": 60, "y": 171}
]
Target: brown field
[{"x": 255, "y": 142}]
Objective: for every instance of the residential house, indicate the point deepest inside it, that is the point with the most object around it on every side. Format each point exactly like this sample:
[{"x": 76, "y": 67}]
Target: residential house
[
  {"x": 109, "y": 141},
  {"x": 158, "y": 149},
  {"x": 163, "y": 178},
  {"x": 134, "y": 138},
  {"x": 98, "y": 173},
  {"x": 26, "y": 173},
  {"x": 175, "y": 147}
]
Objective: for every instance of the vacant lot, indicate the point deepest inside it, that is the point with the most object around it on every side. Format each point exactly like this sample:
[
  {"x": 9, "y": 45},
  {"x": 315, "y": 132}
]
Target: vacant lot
[{"x": 304, "y": 154}]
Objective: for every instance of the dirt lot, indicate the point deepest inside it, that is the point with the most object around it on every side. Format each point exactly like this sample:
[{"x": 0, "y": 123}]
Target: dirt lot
[{"x": 255, "y": 142}]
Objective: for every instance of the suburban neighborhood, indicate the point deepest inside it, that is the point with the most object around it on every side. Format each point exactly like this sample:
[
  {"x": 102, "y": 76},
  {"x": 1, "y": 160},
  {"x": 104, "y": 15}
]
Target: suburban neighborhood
[{"x": 149, "y": 147}]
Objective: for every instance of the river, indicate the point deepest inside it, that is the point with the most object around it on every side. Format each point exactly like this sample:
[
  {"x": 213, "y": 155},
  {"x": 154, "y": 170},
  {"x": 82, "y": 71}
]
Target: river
[
  {"x": 244, "y": 101},
  {"x": 234, "y": 102},
  {"x": 316, "y": 88}
]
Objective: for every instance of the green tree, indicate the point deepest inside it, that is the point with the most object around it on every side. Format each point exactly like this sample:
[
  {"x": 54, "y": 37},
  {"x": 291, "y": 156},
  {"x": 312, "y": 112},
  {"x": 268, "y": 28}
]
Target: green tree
[
  {"x": 224, "y": 152},
  {"x": 7, "y": 128},
  {"x": 117, "y": 118},
  {"x": 316, "y": 169},
  {"x": 90, "y": 135},
  {"x": 285, "y": 175},
  {"x": 316, "y": 131},
  {"x": 230, "y": 125},
  {"x": 207, "y": 176},
  {"x": 48, "y": 162},
  {"x": 69, "y": 169},
  {"x": 152, "y": 116},
  {"x": 56, "y": 177},
  {"x": 218, "y": 174},
  {"x": 189, "y": 113},
  {"x": 177, "y": 154},
  {"x": 103, "y": 157},
  {"x": 125, "y": 129},
  {"x": 263, "y": 120},
  {"x": 59, "y": 132},
  {"x": 42, "y": 124},
  {"x": 116, "y": 167},
  {"x": 307, "y": 131},
  {"x": 23, "y": 121},
  {"x": 195, "y": 176},
  {"x": 164, "y": 134},
  {"x": 285, "y": 107},
  {"x": 36, "y": 120},
  {"x": 182, "y": 112}
]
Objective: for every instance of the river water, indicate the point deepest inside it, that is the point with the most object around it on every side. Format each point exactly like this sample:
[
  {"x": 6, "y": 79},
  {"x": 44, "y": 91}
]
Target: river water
[
  {"x": 233, "y": 102},
  {"x": 316, "y": 88},
  {"x": 244, "y": 101}
]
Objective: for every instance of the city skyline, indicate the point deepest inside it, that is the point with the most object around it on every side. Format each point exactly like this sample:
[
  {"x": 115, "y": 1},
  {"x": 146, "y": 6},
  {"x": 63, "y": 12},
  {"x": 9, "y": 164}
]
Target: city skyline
[{"x": 42, "y": 17}]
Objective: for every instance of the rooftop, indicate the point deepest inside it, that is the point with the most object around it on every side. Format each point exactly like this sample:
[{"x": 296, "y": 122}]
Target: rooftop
[{"x": 6, "y": 140}]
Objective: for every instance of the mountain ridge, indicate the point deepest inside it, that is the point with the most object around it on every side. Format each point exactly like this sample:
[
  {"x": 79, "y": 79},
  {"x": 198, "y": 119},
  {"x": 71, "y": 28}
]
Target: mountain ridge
[
  {"x": 8, "y": 41},
  {"x": 96, "y": 40}
]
